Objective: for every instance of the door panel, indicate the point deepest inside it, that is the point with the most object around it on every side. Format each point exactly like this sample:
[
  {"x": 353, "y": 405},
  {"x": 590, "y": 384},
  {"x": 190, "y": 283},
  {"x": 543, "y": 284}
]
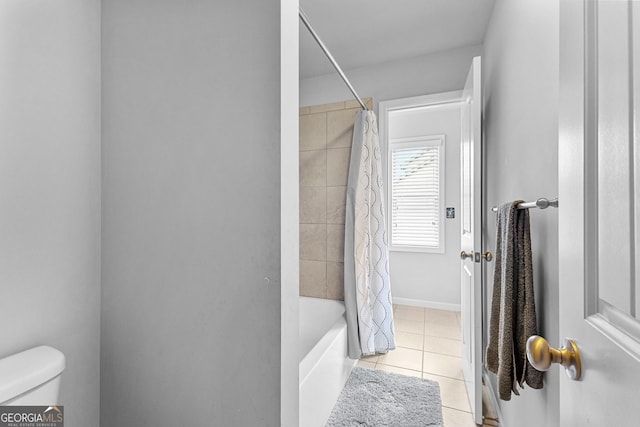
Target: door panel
[
  {"x": 470, "y": 238},
  {"x": 598, "y": 241}
]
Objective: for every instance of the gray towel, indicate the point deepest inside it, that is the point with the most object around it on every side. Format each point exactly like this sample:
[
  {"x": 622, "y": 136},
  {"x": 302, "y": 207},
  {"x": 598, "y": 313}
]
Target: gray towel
[{"x": 513, "y": 311}]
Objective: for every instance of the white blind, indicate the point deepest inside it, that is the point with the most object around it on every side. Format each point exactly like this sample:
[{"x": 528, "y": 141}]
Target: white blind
[{"x": 415, "y": 195}]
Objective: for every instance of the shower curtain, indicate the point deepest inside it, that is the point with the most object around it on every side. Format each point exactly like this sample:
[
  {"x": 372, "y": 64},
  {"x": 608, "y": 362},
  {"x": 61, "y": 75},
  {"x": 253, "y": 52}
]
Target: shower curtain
[{"x": 367, "y": 291}]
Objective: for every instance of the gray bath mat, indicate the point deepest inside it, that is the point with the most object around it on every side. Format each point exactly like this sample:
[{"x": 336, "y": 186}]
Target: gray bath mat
[{"x": 376, "y": 398}]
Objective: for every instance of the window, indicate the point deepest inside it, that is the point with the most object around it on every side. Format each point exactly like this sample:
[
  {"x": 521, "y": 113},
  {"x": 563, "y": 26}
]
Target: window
[{"x": 416, "y": 189}]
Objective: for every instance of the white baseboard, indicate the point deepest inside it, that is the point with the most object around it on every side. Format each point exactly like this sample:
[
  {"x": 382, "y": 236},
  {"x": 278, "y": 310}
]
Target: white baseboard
[
  {"x": 492, "y": 397},
  {"x": 426, "y": 304}
]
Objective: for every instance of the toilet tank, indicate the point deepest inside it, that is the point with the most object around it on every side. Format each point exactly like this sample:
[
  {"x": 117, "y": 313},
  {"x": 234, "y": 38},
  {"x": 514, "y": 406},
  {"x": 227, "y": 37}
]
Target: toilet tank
[{"x": 31, "y": 377}]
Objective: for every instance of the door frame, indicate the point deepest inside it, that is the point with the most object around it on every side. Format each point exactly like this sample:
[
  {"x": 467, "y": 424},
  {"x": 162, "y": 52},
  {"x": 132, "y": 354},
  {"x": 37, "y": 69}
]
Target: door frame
[
  {"x": 289, "y": 218},
  {"x": 388, "y": 106}
]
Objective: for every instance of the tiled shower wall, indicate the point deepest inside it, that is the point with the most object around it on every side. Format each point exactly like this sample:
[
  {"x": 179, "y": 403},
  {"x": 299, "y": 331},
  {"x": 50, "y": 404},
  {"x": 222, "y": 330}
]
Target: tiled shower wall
[{"x": 325, "y": 146}]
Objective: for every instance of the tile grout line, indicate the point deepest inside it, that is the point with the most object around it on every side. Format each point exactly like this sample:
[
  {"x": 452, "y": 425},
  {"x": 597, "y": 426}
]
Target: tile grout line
[{"x": 326, "y": 229}]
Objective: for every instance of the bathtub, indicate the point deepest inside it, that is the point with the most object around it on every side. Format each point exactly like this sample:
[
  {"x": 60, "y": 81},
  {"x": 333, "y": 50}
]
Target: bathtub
[{"x": 324, "y": 364}]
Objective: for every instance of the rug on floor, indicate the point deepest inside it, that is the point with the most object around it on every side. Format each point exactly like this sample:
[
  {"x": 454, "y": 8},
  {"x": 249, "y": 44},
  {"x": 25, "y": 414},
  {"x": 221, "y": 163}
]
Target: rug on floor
[{"x": 376, "y": 398}]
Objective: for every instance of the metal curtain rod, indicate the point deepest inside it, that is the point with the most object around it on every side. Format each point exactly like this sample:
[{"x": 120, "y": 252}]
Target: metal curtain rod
[
  {"x": 307, "y": 24},
  {"x": 541, "y": 203}
]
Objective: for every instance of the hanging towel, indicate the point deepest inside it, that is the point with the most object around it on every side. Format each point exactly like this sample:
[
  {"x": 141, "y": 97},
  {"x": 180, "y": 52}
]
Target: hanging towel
[
  {"x": 367, "y": 289},
  {"x": 513, "y": 311}
]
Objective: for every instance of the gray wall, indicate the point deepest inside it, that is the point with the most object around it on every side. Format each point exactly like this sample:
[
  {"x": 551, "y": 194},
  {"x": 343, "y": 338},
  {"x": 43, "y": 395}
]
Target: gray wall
[
  {"x": 435, "y": 73},
  {"x": 50, "y": 190},
  {"x": 520, "y": 69},
  {"x": 191, "y": 213}
]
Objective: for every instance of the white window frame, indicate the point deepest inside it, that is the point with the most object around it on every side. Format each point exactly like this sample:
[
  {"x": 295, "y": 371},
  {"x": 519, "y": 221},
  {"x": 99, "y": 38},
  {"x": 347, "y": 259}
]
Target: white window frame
[
  {"x": 420, "y": 141},
  {"x": 385, "y": 108}
]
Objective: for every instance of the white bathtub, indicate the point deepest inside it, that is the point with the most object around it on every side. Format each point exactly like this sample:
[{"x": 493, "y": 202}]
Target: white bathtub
[{"x": 324, "y": 364}]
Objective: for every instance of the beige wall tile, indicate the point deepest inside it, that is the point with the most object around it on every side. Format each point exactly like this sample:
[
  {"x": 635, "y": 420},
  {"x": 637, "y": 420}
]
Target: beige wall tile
[
  {"x": 327, "y": 107},
  {"x": 313, "y": 204},
  {"x": 313, "y": 132},
  {"x": 313, "y": 168},
  {"x": 336, "y": 202},
  {"x": 313, "y": 279},
  {"x": 323, "y": 180},
  {"x": 335, "y": 242},
  {"x": 313, "y": 242},
  {"x": 368, "y": 102},
  {"x": 335, "y": 280},
  {"x": 337, "y": 166},
  {"x": 340, "y": 128},
  {"x": 352, "y": 103}
]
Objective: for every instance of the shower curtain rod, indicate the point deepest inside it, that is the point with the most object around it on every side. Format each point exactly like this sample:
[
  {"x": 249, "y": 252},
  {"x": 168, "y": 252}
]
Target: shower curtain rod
[{"x": 307, "y": 24}]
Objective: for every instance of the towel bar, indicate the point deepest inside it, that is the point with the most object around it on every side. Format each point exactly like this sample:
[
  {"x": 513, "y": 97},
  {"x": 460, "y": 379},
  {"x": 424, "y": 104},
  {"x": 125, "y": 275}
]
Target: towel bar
[{"x": 541, "y": 203}]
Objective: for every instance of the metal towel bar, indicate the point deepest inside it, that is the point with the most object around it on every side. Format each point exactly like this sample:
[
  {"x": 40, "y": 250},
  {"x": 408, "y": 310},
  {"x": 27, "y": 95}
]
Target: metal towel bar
[{"x": 541, "y": 203}]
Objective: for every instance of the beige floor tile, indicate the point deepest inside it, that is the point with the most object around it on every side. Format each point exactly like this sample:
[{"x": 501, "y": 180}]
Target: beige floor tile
[
  {"x": 365, "y": 364},
  {"x": 452, "y": 392},
  {"x": 443, "y": 346},
  {"x": 372, "y": 359},
  {"x": 449, "y": 329},
  {"x": 440, "y": 312},
  {"x": 441, "y": 364},
  {"x": 410, "y": 326},
  {"x": 408, "y": 314},
  {"x": 439, "y": 316},
  {"x": 409, "y": 307},
  {"x": 403, "y": 358},
  {"x": 455, "y": 418},
  {"x": 396, "y": 370},
  {"x": 408, "y": 340}
]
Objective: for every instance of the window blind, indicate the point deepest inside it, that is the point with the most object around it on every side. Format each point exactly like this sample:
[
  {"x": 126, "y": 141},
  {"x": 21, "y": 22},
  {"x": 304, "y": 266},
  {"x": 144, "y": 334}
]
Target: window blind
[{"x": 415, "y": 195}]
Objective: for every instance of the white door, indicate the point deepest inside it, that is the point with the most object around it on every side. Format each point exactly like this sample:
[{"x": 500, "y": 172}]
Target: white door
[
  {"x": 599, "y": 166},
  {"x": 470, "y": 243}
]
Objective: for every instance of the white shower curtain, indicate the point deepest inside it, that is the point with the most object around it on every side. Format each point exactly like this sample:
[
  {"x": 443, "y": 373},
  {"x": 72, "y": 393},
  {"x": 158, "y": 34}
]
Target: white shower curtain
[{"x": 367, "y": 290}]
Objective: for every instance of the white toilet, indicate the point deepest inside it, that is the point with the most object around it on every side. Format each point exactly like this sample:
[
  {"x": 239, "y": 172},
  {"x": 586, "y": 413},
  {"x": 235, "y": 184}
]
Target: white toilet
[{"x": 32, "y": 377}]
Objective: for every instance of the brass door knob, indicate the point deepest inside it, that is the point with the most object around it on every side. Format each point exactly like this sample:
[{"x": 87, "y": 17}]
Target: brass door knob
[
  {"x": 488, "y": 256},
  {"x": 541, "y": 356},
  {"x": 464, "y": 255}
]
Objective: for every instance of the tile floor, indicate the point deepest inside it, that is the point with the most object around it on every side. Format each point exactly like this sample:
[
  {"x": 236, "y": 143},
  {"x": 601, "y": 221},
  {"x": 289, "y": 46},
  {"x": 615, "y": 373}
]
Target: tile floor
[{"x": 428, "y": 346}]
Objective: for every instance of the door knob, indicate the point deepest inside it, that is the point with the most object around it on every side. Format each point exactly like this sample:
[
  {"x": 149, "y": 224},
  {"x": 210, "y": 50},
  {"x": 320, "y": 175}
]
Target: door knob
[
  {"x": 541, "y": 356},
  {"x": 488, "y": 256},
  {"x": 464, "y": 255}
]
